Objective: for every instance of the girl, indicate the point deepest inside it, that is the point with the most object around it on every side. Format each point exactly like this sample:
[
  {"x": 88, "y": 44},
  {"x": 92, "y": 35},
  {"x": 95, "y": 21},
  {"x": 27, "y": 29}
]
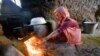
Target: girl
[{"x": 66, "y": 25}]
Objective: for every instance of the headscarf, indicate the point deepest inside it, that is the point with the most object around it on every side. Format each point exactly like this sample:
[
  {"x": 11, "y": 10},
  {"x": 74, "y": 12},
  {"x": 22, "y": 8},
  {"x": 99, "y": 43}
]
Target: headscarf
[{"x": 62, "y": 12}]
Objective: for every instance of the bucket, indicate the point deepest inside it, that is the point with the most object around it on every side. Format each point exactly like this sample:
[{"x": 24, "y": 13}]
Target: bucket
[{"x": 89, "y": 27}]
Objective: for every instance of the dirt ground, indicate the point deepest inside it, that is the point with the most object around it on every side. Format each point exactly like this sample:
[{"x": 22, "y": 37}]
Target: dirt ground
[{"x": 90, "y": 47}]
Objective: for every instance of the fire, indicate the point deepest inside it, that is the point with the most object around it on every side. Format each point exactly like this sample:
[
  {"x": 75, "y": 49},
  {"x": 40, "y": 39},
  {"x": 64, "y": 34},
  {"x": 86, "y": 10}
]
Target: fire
[{"x": 35, "y": 46}]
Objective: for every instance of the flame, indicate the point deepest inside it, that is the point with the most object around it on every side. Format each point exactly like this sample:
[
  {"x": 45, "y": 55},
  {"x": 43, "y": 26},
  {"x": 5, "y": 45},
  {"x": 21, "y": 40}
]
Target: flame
[{"x": 34, "y": 46}]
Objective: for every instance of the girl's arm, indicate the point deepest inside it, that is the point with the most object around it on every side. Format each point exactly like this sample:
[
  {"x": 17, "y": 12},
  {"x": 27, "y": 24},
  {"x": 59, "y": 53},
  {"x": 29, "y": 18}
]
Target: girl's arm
[
  {"x": 57, "y": 31},
  {"x": 53, "y": 34}
]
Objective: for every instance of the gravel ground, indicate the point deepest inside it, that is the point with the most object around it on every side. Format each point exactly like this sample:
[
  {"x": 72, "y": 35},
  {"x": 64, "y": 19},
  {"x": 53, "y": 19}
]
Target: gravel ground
[{"x": 90, "y": 47}]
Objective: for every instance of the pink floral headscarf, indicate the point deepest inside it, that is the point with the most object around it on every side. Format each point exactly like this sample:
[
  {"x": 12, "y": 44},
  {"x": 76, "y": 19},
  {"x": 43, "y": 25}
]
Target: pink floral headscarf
[{"x": 62, "y": 14}]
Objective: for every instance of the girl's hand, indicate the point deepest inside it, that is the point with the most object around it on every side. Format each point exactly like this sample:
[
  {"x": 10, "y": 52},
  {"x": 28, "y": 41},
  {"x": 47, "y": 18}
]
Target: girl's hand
[{"x": 44, "y": 39}]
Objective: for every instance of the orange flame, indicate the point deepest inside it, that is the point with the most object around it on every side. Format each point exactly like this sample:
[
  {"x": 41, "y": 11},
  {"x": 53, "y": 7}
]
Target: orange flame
[{"x": 34, "y": 46}]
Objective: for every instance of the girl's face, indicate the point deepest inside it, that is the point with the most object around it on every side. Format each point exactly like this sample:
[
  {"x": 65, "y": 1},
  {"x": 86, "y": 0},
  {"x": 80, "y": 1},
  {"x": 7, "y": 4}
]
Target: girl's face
[{"x": 58, "y": 17}]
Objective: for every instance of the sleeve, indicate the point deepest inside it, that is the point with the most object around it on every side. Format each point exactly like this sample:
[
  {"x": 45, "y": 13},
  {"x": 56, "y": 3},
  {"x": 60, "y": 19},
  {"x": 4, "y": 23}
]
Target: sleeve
[
  {"x": 71, "y": 23},
  {"x": 62, "y": 27}
]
